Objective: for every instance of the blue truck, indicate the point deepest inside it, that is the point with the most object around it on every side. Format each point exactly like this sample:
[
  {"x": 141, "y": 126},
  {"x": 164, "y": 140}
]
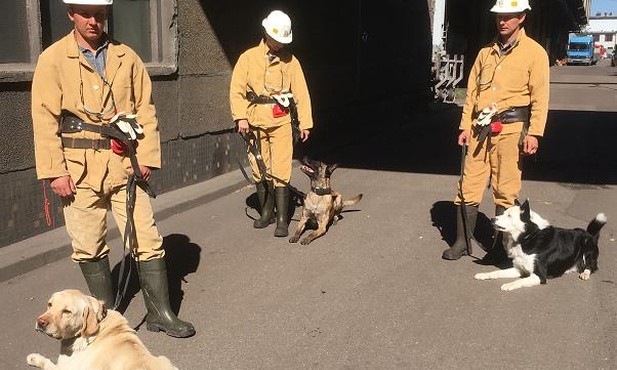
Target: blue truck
[{"x": 580, "y": 50}]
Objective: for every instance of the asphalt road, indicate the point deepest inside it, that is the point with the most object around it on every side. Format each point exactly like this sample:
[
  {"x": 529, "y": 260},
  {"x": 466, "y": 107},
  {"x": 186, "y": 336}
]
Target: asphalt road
[{"x": 373, "y": 293}]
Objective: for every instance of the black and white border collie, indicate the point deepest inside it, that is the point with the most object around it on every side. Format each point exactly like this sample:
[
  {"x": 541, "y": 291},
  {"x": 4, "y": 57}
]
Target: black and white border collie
[{"x": 540, "y": 251}]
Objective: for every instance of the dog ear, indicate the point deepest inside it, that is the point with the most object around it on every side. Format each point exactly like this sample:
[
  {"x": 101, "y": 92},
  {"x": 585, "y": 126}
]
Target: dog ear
[
  {"x": 331, "y": 168},
  {"x": 92, "y": 317},
  {"x": 525, "y": 212}
]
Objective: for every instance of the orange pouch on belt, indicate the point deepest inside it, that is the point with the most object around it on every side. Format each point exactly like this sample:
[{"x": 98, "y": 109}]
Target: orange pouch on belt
[{"x": 278, "y": 111}]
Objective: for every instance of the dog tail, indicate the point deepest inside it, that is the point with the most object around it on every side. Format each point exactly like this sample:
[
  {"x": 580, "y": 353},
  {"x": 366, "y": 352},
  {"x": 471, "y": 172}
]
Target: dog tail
[
  {"x": 596, "y": 224},
  {"x": 352, "y": 201}
]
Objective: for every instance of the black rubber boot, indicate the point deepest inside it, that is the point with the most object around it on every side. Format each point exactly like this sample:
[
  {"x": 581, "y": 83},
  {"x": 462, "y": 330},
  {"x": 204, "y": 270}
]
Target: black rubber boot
[
  {"x": 98, "y": 278},
  {"x": 154, "y": 286},
  {"x": 282, "y": 204},
  {"x": 459, "y": 248},
  {"x": 497, "y": 255},
  {"x": 265, "y": 193}
]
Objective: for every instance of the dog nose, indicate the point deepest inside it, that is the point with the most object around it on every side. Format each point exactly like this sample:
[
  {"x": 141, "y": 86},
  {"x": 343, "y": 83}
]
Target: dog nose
[{"x": 41, "y": 323}]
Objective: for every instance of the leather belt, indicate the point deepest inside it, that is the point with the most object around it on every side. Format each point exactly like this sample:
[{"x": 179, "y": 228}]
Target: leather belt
[
  {"x": 71, "y": 124},
  {"x": 516, "y": 114},
  {"x": 252, "y": 97},
  {"x": 80, "y": 143},
  {"x": 259, "y": 99}
]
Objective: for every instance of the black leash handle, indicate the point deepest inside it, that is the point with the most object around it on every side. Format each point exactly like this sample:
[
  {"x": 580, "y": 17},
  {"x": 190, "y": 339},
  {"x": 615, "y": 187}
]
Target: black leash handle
[
  {"x": 463, "y": 205},
  {"x": 130, "y": 237}
]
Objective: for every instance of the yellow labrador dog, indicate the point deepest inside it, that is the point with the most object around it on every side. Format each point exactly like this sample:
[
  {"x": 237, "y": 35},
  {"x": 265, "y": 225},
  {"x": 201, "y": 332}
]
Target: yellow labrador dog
[{"x": 91, "y": 337}]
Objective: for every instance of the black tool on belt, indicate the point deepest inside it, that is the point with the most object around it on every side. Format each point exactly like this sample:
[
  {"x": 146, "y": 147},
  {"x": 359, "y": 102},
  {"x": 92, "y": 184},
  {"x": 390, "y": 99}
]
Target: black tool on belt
[
  {"x": 71, "y": 124},
  {"x": 510, "y": 115},
  {"x": 252, "y": 97}
]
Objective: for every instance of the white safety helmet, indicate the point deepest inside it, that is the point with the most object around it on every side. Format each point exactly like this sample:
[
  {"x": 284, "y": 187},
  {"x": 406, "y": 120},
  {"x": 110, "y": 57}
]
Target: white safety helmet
[
  {"x": 510, "y": 6},
  {"x": 278, "y": 26},
  {"x": 89, "y": 2}
]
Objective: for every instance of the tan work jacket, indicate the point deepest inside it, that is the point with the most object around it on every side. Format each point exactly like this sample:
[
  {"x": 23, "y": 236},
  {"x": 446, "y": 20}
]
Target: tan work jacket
[
  {"x": 518, "y": 78},
  {"x": 65, "y": 81},
  {"x": 255, "y": 72}
]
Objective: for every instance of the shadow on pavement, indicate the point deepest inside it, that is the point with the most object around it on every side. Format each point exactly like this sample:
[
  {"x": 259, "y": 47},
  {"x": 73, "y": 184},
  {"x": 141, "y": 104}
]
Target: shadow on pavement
[
  {"x": 443, "y": 214},
  {"x": 181, "y": 258},
  {"x": 578, "y": 147}
]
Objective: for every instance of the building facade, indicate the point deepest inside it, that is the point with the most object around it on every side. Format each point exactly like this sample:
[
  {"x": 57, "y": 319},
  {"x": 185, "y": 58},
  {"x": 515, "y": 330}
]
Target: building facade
[
  {"x": 603, "y": 27},
  {"x": 354, "y": 52}
]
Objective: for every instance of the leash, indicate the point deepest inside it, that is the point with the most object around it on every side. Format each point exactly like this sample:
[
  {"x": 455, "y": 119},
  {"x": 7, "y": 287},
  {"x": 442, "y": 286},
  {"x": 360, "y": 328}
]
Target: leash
[
  {"x": 49, "y": 220},
  {"x": 463, "y": 205},
  {"x": 261, "y": 165},
  {"x": 129, "y": 241}
]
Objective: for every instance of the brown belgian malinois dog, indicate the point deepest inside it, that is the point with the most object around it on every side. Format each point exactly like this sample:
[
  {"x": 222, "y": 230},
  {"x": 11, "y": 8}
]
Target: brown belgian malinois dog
[{"x": 322, "y": 205}]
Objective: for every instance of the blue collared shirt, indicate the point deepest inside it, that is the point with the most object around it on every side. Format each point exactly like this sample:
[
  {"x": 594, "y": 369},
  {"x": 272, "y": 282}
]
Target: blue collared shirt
[{"x": 97, "y": 60}]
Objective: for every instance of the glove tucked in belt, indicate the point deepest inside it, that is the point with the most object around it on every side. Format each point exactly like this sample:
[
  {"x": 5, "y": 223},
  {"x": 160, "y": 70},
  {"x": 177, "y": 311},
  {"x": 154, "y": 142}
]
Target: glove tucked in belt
[
  {"x": 123, "y": 128},
  {"x": 510, "y": 115}
]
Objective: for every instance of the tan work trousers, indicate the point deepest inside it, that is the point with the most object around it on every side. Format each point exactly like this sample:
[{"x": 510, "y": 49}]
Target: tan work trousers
[
  {"x": 501, "y": 162},
  {"x": 86, "y": 223},
  {"x": 276, "y": 150}
]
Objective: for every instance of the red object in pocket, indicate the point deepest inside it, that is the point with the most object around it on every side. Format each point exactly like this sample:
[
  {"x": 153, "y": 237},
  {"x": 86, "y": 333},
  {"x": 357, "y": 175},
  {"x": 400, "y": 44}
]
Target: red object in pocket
[
  {"x": 278, "y": 111},
  {"x": 496, "y": 127},
  {"x": 119, "y": 147}
]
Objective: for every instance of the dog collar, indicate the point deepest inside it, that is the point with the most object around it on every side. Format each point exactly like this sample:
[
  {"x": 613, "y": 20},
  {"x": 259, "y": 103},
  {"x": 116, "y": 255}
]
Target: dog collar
[{"x": 322, "y": 191}]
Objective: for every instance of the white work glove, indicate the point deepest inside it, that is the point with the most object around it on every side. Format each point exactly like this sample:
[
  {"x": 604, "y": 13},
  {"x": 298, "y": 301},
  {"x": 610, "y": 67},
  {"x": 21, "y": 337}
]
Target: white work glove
[
  {"x": 127, "y": 123},
  {"x": 484, "y": 118},
  {"x": 283, "y": 98}
]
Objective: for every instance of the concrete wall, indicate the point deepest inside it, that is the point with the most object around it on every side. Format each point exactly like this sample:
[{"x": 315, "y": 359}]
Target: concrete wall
[{"x": 353, "y": 53}]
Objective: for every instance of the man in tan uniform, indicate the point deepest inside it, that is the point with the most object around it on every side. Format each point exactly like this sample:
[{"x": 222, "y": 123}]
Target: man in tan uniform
[
  {"x": 504, "y": 115},
  {"x": 264, "y": 81},
  {"x": 82, "y": 84}
]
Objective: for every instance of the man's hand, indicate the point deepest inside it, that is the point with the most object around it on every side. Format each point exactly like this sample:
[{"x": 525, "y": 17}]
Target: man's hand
[
  {"x": 530, "y": 144},
  {"x": 243, "y": 126},
  {"x": 304, "y": 135},
  {"x": 146, "y": 172},
  {"x": 463, "y": 138},
  {"x": 63, "y": 186}
]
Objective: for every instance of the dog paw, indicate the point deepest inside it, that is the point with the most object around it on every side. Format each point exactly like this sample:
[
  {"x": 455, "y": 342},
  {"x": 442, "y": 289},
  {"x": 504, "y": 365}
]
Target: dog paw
[
  {"x": 510, "y": 286},
  {"x": 36, "y": 360},
  {"x": 481, "y": 276},
  {"x": 305, "y": 241},
  {"x": 294, "y": 239},
  {"x": 585, "y": 275}
]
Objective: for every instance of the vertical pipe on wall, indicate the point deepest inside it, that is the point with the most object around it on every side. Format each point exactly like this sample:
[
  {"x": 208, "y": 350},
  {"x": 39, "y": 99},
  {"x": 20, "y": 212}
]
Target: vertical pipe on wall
[{"x": 439, "y": 15}]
